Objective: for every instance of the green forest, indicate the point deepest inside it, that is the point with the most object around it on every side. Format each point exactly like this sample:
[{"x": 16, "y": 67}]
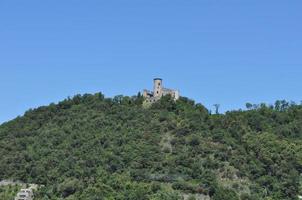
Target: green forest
[{"x": 98, "y": 148}]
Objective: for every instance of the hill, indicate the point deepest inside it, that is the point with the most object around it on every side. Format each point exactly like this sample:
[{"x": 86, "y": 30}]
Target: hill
[{"x": 92, "y": 147}]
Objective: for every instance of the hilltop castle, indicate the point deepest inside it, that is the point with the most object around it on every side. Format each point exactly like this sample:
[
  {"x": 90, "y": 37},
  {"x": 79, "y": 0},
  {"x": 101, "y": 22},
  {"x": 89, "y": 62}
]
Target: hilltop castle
[{"x": 159, "y": 91}]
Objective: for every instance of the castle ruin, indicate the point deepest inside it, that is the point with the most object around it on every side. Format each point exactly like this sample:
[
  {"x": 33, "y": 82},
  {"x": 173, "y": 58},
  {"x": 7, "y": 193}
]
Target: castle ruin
[{"x": 159, "y": 91}]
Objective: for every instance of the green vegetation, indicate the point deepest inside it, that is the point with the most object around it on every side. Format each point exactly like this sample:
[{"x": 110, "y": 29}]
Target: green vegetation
[
  {"x": 97, "y": 148},
  {"x": 8, "y": 192}
]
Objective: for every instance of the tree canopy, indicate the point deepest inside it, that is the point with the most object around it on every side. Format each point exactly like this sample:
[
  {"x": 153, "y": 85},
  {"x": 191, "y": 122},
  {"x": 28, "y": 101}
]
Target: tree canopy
[{"x": 93, "y": 147}]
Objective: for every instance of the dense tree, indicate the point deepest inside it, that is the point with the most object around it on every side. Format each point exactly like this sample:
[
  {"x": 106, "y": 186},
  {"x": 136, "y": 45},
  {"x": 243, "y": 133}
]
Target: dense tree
[{"x": 92, "y": 147}]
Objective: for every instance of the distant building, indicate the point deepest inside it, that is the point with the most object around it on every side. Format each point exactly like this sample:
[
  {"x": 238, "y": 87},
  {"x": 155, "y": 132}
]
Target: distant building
[
  {"x": 159, "y": 91},
  {"x": 25, "y": 194}
]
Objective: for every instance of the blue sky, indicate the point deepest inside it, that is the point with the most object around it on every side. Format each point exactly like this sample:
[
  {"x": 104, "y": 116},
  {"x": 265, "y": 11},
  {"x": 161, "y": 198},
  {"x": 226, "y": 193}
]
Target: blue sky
[{"x": 227, "y": 52}]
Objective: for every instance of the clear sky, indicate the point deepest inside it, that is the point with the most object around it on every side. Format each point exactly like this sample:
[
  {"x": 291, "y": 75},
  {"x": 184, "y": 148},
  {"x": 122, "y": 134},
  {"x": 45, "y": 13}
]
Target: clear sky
[{"x": 214, "y": 51}]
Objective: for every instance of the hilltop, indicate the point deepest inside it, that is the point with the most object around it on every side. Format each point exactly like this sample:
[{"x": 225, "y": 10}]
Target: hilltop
[{"x": 92, "y": 147}]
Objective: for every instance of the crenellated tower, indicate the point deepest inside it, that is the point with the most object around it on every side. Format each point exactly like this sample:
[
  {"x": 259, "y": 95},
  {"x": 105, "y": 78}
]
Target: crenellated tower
[{"x": 158, "y": 87}]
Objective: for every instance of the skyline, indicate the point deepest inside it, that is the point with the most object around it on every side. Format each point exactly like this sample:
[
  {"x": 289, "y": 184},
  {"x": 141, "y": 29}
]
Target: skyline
[
  {"x": 226, "y": 53},
  {"x": 53, "y": 85}
]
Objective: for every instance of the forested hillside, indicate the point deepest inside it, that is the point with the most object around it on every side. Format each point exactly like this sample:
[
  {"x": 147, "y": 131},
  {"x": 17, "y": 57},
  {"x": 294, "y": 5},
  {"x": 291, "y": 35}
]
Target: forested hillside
[{"x": 96, "y": 148}]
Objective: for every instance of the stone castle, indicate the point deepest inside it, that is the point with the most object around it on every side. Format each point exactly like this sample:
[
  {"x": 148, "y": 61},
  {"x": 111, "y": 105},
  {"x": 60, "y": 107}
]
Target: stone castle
[{"x": 159, "y": 91}]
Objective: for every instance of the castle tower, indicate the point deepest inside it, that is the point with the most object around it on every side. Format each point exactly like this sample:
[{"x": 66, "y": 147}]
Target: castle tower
[{"x": 158, "y": 87}]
